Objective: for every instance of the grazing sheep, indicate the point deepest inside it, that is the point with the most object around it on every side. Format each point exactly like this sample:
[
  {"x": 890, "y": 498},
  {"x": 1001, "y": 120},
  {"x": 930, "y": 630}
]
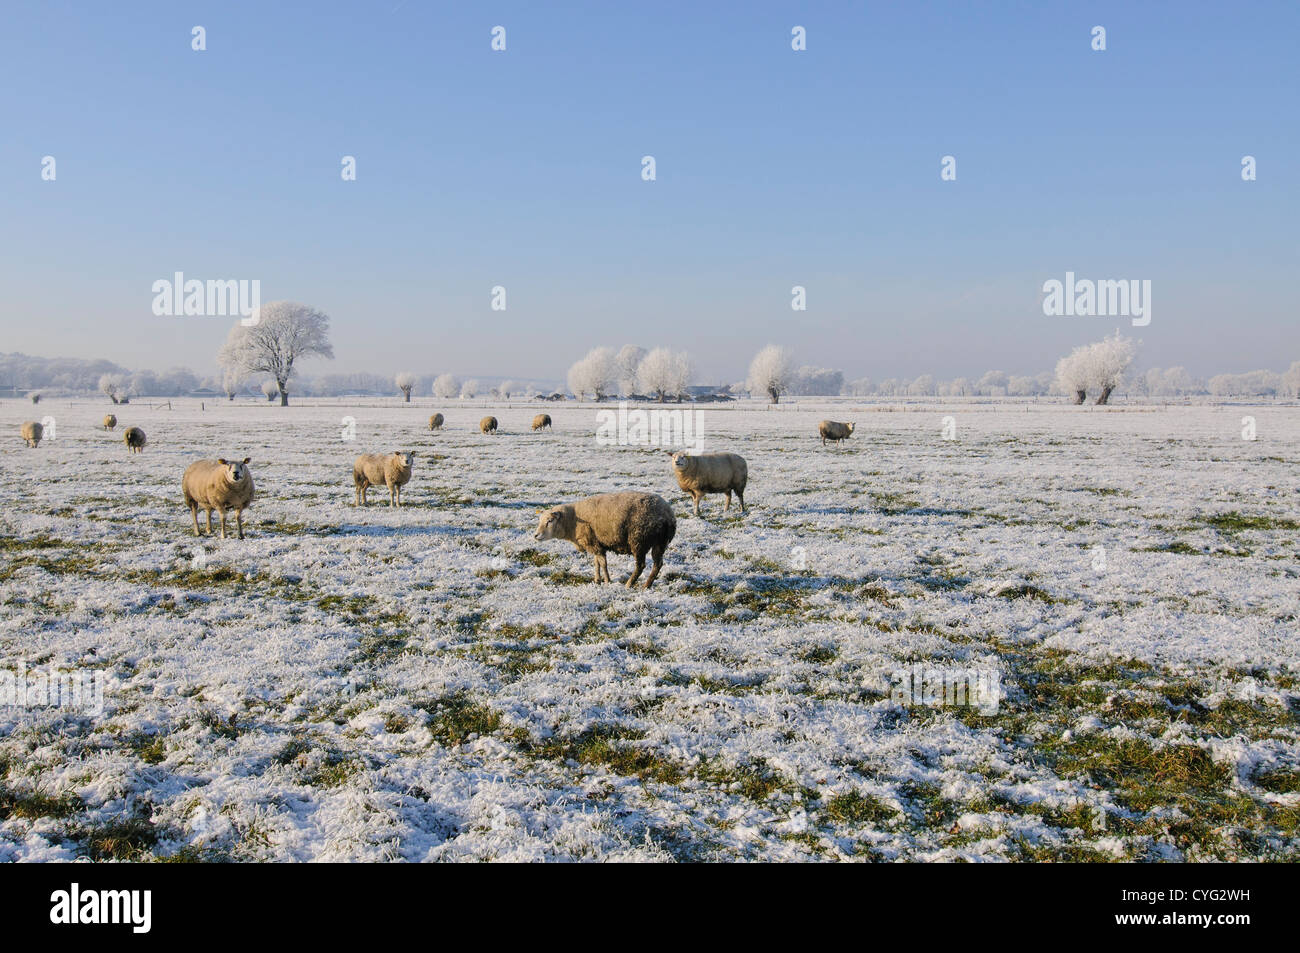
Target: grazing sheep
[
  {"x": 628, "y": 523},
  {"x": 711, "y": 473},
  {"x": 435, "y": 422},
  {"x": 542, "y": 420},
  {"x": 488, "y": 425},
  {"x": 135, "y": 439},
  {"x": 31, "y": 433},
  {"x": 833, "y": 430},
  {"x": 110, "y": 421},
  {"x": 218, "y": 485},
  {"x": 382, "y": 469}
]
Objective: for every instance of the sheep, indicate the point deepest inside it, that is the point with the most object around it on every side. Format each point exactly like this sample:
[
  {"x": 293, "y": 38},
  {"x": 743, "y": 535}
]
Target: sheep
[
  {"x": 628, "y": 523},
  {"x": 31, "y": 433},
  {"x": 488, "y": 425},
  {"x": 382, "y": 469},
  {"x": 711, "y": 473},
  {"x": 218, "y": 485},
  {"x": 541, "y": 420},
  {"x": 435, "y": 422},
  {"x": 833, "y": 430},
  {"x": 135, "y": 440},
  {"x": 110, "y": 421}
]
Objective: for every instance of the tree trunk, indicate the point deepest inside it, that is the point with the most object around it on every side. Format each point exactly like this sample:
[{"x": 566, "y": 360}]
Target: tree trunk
[
  {"x": 774, "y": 394},
  {"x": 407, "y": 394},
  {"x": 284, "y": 396},
  {"x": 1105, "y": 395},
  {"x": 1080, "y": 396}
]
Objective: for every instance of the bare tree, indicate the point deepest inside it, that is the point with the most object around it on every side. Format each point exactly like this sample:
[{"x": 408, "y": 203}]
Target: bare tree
[
  {"x": 1072, "y": 374},
  {"x": 115, "y": 388},
  {"x": 270, "y": 388},
  {"x": 405, "y": 380},
  {"x": 771, "y": 372},
  {"x": 446, "y": 386},
  {"x": 1108, "y": 361},
  {"x": 664, "y": 373},
  {"x": 282, "y": 333}
]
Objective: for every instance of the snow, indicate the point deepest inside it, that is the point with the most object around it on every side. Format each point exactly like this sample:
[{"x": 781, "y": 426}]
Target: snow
[{"x": 768, "y": 643}]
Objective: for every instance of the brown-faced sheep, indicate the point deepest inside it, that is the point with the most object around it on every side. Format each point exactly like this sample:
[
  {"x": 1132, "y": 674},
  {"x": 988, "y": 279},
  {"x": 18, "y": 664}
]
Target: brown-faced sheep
[
  {"x": 488, "y": 425},
  {"x": 382, "y": 469},
  {"x": 834, "y": 430},
  {"x": 435, "y": 422},
  {"x": 218, "y": 485},
  {"x": 31, "y": 432},
  {"x": 630, "y": 523},
  {"x": 711, "y": 473},
  {"x": 541, "y": 420},
  {"x": 110, "y": 421},
  {"x": 134, "y": 439}
]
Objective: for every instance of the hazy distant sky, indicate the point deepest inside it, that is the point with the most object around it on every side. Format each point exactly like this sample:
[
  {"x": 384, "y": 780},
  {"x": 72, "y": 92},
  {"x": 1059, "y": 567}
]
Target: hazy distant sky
[{"x": 775, "y": 168}]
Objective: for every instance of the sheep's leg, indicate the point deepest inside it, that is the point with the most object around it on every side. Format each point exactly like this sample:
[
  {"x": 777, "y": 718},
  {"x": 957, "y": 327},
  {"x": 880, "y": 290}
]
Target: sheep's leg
[
  {"x": 223, "y": 523},
  {"x": 640, "y": 565},
  {"x": 740, "y": 495},
  {"x": 209, "y": 512},
  {"x": 596, "y": 559},
  {"x": 727, "y": 508},
  {"x": 239, "y": 521},
  {"x": 654, "y": 570},
  {"x": 697, "y": 496},
  {"x": 194, "y": 514},
  {"x": 604, "y": 567}
]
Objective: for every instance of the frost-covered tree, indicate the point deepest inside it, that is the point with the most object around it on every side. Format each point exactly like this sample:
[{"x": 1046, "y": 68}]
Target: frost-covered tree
[
  {"x": 594, "y": 374},
  {"x": 626, "y": 362},
  {"x": 922, "y": 386},
  {"x": 285, "y": 332},
  {"x": 505, "y": 389},
  {"x": 115, "y": 388},
  {"x": 816, "y": 381},
  {"x": 405, "y": 380},
  {"x": 270, "y": 388},
  {"x": 35, "y": 396},
  {"x": 664, "y": 373},
  {"x": 1291, "y": 380},
  {"x": 1108, "y": 361},
  {"x": 232, "y": 379},
  {"x": 862, "y": 387},
  {"x": 771, "y": 372},
  {"x": 446, "y": 386},
  {"x": 993, "y": 384},
  {"x": 469, "y": 389},
  {"x": 1073, "y": 374}
]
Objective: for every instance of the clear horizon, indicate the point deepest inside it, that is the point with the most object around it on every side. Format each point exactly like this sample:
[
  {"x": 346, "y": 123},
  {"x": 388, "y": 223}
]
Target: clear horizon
[{"x": 522, "y": 168}]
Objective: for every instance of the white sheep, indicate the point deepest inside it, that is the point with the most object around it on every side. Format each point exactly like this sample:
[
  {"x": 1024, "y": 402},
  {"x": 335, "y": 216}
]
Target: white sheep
[
  {"x": 218, "y": 485},
  {"x": 630, "y": 523},
  {"x": 31, "y": 433},
  {"x": 110, "y": 421},
  {"x": 435, "y": 422},
  {"x": 382, "y": 469},
  {"x": 711, "y": 473},
  {"x": 834, "y": 430},
  {"x": 488, "y": 425},
  {"x": 542, "y": 420}
]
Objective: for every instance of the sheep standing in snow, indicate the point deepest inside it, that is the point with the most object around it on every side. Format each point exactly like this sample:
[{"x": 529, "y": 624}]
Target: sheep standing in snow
[
  {"x": 218, "y": 485},
  {"x": 488, "y": 425},
  {"x": 110, "y": 421},
  {"x": 134, "y": 439},
  {"x": 31, "y": 433},
  {"x": 541, "y": 420},
  {"x": 629, "y": 523},
  {"x": 435, "y": 422},
  {"x": 711, "y": 473},
  {"x": 382, "y": 469},
  {"x": 834, "y": 430}
]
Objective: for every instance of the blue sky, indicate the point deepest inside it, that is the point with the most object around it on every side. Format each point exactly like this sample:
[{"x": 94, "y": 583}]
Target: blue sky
[{"x": 775, "y": 168}]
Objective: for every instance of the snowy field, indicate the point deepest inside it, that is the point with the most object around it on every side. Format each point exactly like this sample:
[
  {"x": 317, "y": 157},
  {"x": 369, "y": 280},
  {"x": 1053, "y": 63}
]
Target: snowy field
[{"x": 430, "y": 683}]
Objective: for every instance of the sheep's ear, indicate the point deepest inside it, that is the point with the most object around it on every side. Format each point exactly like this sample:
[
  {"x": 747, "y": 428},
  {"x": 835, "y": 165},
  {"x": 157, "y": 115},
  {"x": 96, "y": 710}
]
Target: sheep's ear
[
  {"x": 222, "y": 461},
  {"x": 248, "y": 459}
]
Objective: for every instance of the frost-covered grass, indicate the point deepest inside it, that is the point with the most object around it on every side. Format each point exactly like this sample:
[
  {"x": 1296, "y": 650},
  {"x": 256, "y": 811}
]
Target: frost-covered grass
[{"x": 430, "y": 683}]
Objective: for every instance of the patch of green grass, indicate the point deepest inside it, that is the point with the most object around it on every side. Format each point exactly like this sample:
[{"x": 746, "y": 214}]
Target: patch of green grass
[
  {"x": 33, "y": 805},
  {"x": 1235, "y": 522},
  {"x": 1027, "y": 590},
  {"x": 455, "y": 717},
  {"x": 534, "y": 557},
  {"x": 1278, "y": 780},
  {"x": 616, "y": 747},
  {"x": 854, "y": 807},
  {"x": 129, "y": 838}
]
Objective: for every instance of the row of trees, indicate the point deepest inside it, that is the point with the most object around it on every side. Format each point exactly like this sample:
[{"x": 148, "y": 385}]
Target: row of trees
[{"x": 660, "y": 372}]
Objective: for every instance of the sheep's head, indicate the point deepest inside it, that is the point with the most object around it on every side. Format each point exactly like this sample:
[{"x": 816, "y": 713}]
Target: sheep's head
[
  {"x": 405, "y": 458},
  {"x": 236, "y": 470},
  {"x": 681, "y": 460},
  {"x": 550, "y": 525},
  {"x": 851, "y": 426}
]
